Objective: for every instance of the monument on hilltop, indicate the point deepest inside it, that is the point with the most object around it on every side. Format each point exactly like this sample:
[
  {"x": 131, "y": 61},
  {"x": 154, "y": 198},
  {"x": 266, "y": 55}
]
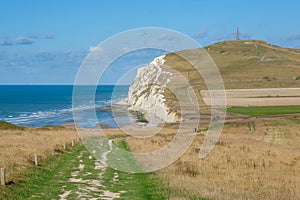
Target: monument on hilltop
[{"x": 237, "y": 34}]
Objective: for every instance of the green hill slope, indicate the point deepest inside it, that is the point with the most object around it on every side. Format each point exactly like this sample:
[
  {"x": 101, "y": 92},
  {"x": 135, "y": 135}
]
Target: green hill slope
[
  {"x": 242, "y": 64},
  {"x": 246, "y": 64}
]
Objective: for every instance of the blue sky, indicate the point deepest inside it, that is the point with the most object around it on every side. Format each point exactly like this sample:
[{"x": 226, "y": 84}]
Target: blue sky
[{"x": 45, "y": 42}]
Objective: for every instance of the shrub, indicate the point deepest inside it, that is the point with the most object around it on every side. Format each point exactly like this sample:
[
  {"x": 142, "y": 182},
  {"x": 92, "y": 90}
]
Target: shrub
[
  {"x": 266, "y": 78},
  {"x": 139, "y": 116}
]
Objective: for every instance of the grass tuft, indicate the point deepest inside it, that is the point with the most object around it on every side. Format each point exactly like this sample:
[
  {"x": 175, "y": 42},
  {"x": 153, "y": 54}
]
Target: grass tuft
[{"x": 139, "y": 116}]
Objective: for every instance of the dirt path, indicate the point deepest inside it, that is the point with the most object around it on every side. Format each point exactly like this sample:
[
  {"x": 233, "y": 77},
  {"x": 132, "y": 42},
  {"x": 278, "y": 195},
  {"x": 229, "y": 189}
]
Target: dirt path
[
  {"x": 284, "y": 50},
  {"x": 86, "y": 180}
]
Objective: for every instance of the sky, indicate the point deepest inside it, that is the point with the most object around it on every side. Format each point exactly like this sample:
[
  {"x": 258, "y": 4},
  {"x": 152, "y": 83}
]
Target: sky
[{"x": 45, "y": 42}]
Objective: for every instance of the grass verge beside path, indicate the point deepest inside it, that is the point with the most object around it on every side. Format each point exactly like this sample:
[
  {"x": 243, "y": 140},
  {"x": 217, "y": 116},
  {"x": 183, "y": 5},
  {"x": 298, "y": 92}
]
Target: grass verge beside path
[
  {"x": 148, "y": 185},
  {"x": 265, "y": 110},
  {"x": 46, "y": 181},
  {"x": 137, "y": 185}
]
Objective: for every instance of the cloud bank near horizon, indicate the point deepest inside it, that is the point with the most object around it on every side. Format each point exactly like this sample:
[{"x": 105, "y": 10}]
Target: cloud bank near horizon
[{"x": 24, "y": 40}]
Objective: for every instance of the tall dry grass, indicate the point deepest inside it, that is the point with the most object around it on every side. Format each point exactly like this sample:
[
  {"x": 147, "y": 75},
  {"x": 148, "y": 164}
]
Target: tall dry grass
[
  {"x": 246, "y": 163},
  {"x": 18, "y": 147}
]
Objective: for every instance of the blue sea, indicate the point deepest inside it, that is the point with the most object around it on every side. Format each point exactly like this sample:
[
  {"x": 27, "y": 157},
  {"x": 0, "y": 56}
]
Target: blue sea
[{"x": 41, "y": 105}]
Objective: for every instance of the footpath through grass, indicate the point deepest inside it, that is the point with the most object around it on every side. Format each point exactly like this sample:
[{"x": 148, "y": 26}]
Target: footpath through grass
[
  {"x": 137, "y": 185},
  {"x": 265, "y": 110},
  {"x": 74, "y": 174}
]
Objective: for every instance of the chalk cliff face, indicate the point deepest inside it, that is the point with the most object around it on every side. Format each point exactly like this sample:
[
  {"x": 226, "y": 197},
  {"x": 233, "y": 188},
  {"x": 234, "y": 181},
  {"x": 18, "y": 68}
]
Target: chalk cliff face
[{"x": 146, "y": 93}]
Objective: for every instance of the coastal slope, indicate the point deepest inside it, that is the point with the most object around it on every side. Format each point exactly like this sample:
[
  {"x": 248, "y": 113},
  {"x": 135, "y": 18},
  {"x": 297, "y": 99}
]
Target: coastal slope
[{"x": 243, "y": 64}]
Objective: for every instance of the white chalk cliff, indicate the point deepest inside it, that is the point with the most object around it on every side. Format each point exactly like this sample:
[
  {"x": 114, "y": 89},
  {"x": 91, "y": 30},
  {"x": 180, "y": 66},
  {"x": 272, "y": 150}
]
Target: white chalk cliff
[{"x": 146, "y": 93}]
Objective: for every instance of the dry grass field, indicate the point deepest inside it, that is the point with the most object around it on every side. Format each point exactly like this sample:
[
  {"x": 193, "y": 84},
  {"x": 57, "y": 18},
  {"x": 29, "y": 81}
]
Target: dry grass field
[
  {"x": 18, "y": 147},
  {"x": 254, "y": 159}
]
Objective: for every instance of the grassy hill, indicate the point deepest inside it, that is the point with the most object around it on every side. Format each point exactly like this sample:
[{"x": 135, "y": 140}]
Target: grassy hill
[
  {"x": 245, "y": 64},
  {"x": 242, "y": 64}
]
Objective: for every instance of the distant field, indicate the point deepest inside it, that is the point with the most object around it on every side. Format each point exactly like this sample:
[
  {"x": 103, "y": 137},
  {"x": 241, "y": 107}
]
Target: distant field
[
  {"x": 265, "y": 110},
  {"x": 255, "y": 97}
]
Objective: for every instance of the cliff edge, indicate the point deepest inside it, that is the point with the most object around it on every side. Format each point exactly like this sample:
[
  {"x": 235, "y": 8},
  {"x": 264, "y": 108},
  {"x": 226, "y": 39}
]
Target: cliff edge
[{"x": 146, "y": 93}]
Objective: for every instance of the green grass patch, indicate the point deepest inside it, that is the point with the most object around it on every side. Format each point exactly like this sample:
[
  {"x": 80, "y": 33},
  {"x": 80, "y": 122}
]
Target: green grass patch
[
  {"x": 265, "y": 110},
  {"x": 9, "y": 126},
  {"x": 136, "y": 185},
  {"x": 43, "y": 182},
  {"x": 139, "y": 116},
  {"x": 51, "y": 128}
]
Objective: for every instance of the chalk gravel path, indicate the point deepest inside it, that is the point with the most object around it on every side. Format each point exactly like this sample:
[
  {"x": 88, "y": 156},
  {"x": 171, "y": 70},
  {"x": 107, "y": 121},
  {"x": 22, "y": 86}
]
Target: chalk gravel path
[{"x": 87, "y": 183}]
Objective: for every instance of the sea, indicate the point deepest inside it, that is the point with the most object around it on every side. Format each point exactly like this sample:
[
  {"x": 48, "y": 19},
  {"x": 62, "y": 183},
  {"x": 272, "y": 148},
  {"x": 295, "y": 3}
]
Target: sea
[{"x": 51, "y": 105}]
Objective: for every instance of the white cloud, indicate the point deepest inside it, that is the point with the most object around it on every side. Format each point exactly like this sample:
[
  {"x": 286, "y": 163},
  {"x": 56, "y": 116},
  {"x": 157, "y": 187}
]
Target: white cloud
[
  {"x": 95, "y": 49},
  {"x": 168, "y": 37},
  {"x": 5, "y": 42},
  {"x": 23, "y": 41},
  {"x": 200, "y": 34}
]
